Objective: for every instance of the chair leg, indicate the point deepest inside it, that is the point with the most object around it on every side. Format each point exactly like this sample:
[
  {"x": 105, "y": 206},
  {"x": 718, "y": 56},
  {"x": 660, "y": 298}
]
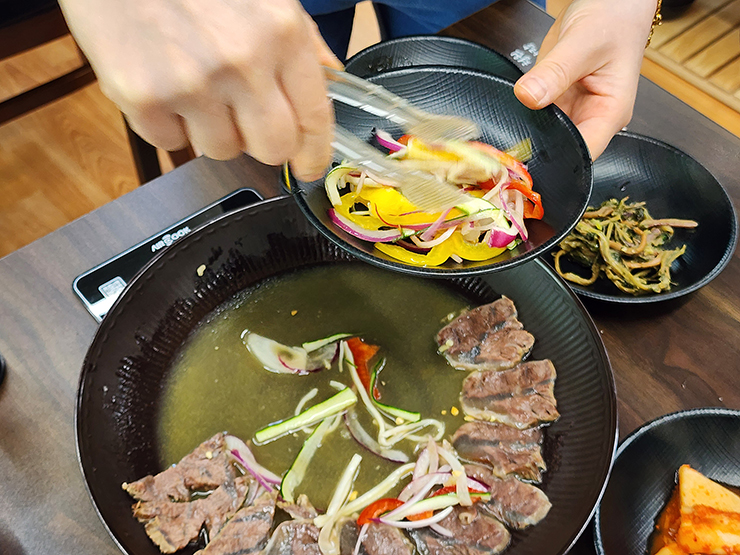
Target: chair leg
[
  {"x": 145, "y": 157},
  {"x": 179, "y": 157}
]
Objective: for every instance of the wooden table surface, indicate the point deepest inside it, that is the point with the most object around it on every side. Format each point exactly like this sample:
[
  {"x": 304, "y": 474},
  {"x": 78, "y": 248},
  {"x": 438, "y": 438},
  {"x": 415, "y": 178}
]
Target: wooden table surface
[{"x": 672, "y": 356}]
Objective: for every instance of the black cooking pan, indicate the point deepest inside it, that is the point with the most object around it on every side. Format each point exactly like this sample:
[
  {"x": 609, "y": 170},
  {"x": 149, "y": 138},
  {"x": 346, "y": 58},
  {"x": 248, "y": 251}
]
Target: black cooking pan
[{"x": 127, "y": 365}]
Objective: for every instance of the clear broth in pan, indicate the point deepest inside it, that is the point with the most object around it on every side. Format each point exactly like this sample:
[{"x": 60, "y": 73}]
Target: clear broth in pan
[{"x": 217, "y": 385}]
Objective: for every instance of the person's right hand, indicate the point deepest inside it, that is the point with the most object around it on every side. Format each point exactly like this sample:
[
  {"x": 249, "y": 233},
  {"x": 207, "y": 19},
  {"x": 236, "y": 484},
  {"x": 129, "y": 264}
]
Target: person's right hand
[{"x": 229, "y": 76}]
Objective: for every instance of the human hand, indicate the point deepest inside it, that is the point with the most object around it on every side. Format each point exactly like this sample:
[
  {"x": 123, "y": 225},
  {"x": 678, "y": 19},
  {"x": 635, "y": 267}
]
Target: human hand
[
  {"x": 589, "y": 65},
  {"x": 229, "y": 76}
]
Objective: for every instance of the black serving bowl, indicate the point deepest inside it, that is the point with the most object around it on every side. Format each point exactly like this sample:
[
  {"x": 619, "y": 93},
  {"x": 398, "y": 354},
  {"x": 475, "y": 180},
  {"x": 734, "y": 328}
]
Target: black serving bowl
[
  {"x": 560, "y": 165},
  {"x": 128, "y": 363},
  {"x": 644, "y": 473},
  {"x": 430, "y": 50},
  {"x": 673, "y": 185}
]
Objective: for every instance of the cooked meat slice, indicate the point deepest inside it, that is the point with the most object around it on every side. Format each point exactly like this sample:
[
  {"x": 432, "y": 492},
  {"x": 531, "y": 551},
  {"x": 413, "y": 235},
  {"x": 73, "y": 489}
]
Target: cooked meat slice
[
  {"x": 247, "y": 532},
  {"x": 507, "y": 450},
  {"x": 473, "y": 533},
  {"x": 513, "y": 502},
  {"x": 172, "y": 525},
  {"x": 294, "y": 537},
  {"x": 465, "y": 332},
  {"x": 300, "y": 510},
  {"x": 204, "y": 469},
  {"x": 379, "y": 539},
  {"x": 516, "y": 503},
  {"x": 521, "y": 397},
  {"x": 499, "y": 350}
]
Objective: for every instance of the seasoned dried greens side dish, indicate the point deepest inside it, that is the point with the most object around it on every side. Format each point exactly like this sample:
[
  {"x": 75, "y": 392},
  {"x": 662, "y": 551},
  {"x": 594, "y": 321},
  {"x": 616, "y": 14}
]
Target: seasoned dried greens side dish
[
  {"x": 621, "y": 241},
  {"x": 462, "y": 493}
]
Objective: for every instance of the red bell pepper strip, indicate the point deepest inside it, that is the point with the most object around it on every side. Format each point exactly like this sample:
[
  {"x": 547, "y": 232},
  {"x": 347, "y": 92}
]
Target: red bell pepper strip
[
  {"x": 534, "y": 210},
  {"x": 362, "y": 353},
  {"x": 506, "y": 159},
  {"x": 376, "y": 509}
]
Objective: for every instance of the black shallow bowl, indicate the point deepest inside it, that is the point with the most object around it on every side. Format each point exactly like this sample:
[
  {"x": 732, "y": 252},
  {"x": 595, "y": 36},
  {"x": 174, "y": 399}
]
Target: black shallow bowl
[
  {"x": 644, "y": 473},
  {"x": 430, "y": 50},
  {"x": 674, "y": 185},
  {"x": 130, "y": 356},
  {"x": 560, "y": 167}
]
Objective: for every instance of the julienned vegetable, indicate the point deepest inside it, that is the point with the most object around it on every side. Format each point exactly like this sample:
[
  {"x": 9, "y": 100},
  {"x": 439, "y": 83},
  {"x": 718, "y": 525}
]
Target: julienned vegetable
[
  {"x": 373, "y": 210},
  {"x": 333, "y": 405},
  {"x": 297, "y": 471}
]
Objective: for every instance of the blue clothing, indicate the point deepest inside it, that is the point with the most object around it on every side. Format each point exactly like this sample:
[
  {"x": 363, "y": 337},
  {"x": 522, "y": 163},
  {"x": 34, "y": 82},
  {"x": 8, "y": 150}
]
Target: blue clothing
[{"x": 397, "y": 18}]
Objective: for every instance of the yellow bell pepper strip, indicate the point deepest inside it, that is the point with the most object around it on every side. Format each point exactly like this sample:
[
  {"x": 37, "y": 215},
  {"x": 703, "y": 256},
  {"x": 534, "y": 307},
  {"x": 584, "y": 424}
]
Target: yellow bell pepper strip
[
  {"x": 392, "y": 208},
  {"x": 418, "y": 150},
  {"x": 437, "y": 255},
  {"x": 473, "y": 251}
]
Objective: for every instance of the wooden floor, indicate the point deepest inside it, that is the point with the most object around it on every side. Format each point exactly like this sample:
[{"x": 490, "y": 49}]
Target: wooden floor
[{"x": 72, "y": 156}]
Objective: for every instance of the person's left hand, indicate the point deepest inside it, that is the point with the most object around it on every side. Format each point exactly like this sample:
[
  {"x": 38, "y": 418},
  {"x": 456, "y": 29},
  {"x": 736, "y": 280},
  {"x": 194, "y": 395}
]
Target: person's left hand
[{"x": 589, "y": 65}]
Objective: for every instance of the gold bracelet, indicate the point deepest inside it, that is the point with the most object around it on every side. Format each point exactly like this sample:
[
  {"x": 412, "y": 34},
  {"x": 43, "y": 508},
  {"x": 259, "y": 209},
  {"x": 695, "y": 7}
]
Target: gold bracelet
[{"x": 657, "y": 21}]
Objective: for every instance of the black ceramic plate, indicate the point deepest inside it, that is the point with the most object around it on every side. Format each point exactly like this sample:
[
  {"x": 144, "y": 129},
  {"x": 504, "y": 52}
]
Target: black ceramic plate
[
  {"x": 430, "y": 50},
  {"x": 674, "y": 185},
  {"x": 130, "y": 356},
  {"x": 560, "y": 167},
  {"x": 644, "y": 473}
]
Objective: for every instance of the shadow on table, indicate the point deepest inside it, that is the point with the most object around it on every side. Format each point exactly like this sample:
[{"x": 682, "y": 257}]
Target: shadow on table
[{"x": 9, "y": 544}]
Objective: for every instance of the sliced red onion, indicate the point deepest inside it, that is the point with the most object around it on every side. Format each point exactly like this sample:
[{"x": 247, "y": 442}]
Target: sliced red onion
[
  {"x": 380, "y": 236},
  {"x": 275, "y": 356},
  {"x": 243, "y": 455},
  {"x": 499, "y": 238},
  {"x": 363, "y": 438},
  {"x": 510, "y": 214},
  {"x": 441, "y": 530},
  {"x": 433, "y": 455},
  {"x": 413, "y": 487},
  {"x": 434, "y": 242},
  {"x": 386, "y": 141},
  {"x": 360, "y": 538},
  {"x": 416, "y": 523},
  {"x": 432, "y": 231},
  {"x": 422, "y": 464},
  {"x": 477, "y": 485}
]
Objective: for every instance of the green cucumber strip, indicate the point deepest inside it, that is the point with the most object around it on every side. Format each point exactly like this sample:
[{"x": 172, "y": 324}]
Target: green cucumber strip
[
  {"x": 333, "y": 405},
  {"x": 314, "y": 345},
  {"x": 331, "y": 183},
  {"x": 297, "y": 470},
  {"x": 394, "y": 412}
]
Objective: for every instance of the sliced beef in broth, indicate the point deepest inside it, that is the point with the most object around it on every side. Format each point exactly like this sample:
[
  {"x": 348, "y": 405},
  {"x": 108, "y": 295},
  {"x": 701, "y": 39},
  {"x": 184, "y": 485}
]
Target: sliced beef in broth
[
  {"x": 473, "y": 533},
  {"x": 515, "y": 503},
  {"x": 486, "y": 338},
  {"x": 172, "y": 525},
  {"x": 300, "y": 510},
  {"x": 379, "y": 539},
  {"x": 521, "y": 397},
  {"x": 206, "y": 468},
  {"x": 466, "y": 332},
  {"x": 294, "y": 537},
  {"x": 248, "y": 530},
  {"x": 505, "y": 449}
]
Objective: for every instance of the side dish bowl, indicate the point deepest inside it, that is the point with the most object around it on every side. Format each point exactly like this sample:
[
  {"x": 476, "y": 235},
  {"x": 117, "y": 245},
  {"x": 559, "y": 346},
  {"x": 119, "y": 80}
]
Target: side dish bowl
[
  {"x": 673, "y": 185},
  {"x": 430, "y": 50},
  {"x": 644, "y": 473},
  {"x": 560, "y": 164},
  {"x": 128, "y": 364}
]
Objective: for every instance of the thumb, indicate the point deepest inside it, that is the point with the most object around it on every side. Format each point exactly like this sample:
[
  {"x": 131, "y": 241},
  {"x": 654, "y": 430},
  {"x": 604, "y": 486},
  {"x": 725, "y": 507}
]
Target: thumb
[{"x": 567, "y": 63}]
